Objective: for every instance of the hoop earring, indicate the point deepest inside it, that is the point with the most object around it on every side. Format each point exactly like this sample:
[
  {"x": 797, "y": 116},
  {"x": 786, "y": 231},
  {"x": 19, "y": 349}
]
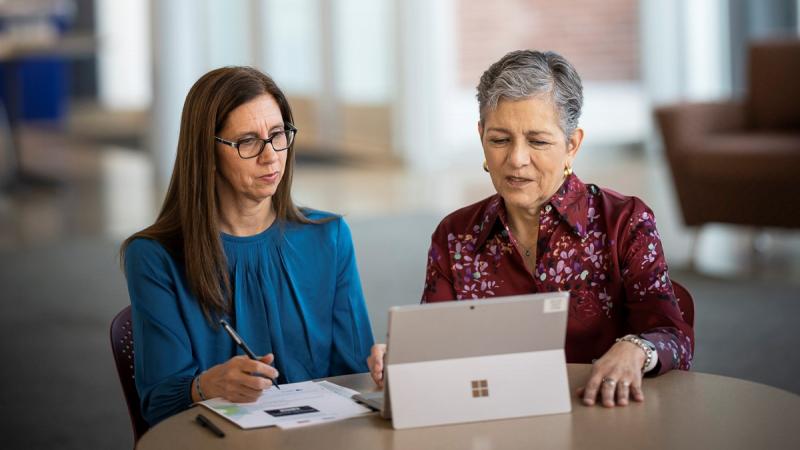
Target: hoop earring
[
  {"x": 567, "y": 171},
  {"x": 485, "y": 166}
]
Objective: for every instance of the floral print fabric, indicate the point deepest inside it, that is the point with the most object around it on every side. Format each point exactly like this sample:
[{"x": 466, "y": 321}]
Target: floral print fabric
[{"x": 600, "y": 246}]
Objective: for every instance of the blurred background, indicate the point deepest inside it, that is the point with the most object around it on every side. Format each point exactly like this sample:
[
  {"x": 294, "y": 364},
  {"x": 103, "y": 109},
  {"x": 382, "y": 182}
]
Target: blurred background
[{"x": 383, "y": 93}]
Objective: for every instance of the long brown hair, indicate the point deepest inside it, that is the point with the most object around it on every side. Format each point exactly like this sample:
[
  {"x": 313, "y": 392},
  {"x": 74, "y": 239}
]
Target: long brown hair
[{"x": 187, "y": 225}]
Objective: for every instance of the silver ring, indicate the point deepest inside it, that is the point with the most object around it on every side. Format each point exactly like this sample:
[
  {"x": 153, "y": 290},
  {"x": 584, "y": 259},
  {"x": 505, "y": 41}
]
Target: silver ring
[
  {"x": 610, "y": 381},
  {"x": 626, "y": 384}
]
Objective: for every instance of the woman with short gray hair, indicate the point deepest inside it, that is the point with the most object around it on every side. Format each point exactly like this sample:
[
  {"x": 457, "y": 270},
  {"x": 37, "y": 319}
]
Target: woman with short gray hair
[{"x": 545, "y": 230}]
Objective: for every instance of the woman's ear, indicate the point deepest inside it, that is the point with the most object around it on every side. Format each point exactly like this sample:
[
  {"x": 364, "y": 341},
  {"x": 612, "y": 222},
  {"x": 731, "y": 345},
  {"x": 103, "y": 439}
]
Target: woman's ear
[
  {"x": 574, "y": 142},
  {"x": 480, "y": 130}
]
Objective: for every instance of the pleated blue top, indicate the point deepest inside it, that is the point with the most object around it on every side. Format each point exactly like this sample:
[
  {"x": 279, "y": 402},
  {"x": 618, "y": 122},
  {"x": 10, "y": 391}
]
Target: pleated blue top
[{"x": 296, "y": 293}]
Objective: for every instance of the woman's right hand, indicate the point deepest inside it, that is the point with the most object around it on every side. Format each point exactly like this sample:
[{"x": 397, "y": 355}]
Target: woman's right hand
[
  {"x": 234, "y": 380},
  {"x": 375, "y": 363}
]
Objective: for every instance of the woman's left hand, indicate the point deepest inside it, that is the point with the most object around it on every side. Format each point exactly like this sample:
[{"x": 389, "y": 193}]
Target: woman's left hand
[{"x": 616, "y": 377}]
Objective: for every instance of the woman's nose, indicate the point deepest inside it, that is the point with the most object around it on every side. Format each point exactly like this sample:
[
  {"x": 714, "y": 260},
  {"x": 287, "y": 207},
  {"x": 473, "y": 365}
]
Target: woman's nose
[
  {"x": 268, "y": 155},
  {"x": 519, "y": 155}
]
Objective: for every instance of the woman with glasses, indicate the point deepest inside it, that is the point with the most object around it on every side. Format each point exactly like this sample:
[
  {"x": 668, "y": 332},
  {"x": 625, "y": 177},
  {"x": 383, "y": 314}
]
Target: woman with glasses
[{"x": 229, "y": 243}]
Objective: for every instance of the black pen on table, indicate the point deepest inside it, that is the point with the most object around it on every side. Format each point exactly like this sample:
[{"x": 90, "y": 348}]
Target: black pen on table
[
  {"x": 240, "y": 342},
  {"x": 205, "y": 423}
]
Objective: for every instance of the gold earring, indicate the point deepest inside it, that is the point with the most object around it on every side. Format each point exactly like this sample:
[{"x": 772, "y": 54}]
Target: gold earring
[
  {"x": 567, "y": 171},
  {"x": 485, "y": 166}
]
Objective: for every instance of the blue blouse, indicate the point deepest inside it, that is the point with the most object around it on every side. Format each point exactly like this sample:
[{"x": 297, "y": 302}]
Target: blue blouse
[{"x": 296, "y": 294}]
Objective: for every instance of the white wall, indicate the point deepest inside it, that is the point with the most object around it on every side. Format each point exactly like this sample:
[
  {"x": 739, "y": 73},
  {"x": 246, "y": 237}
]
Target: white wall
[
  {"x": 124, "y": 58},
  {"x": 426, "y": 102},
  {"x": 363, "y": 44},
  {"x": 707, "y": 49},
  {"x": 229, "y": 34},
  {"x": 292, "y": 45},
  {"x": 178, "y": 61},
  {"x": 685, "y": 50}
]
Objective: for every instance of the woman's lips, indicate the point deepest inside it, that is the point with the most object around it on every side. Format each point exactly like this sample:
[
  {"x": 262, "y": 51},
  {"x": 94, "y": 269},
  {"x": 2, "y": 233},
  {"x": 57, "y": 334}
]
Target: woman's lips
[
  {"x": 270, "y": 177},
  {"x": 518, "y": 182}
]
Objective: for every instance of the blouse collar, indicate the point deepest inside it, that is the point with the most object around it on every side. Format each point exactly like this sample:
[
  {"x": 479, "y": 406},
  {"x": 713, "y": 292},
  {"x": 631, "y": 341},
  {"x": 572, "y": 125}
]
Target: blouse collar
[{"x": 571, "y": 202}]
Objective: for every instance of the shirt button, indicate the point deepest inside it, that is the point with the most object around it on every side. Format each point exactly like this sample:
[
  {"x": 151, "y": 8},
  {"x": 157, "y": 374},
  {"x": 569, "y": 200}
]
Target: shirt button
[
  {"x": 548, "y": 208},
  {"x": 476, "y": 275}
]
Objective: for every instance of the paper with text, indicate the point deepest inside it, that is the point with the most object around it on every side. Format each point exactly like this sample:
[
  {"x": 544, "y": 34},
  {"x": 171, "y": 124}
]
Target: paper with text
[{"x": 294, "y": 405}]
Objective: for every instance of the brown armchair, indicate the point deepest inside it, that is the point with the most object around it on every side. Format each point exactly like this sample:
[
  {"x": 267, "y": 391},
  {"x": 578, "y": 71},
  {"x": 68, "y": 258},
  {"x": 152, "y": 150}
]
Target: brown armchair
[{"x": 738, "y": 162}]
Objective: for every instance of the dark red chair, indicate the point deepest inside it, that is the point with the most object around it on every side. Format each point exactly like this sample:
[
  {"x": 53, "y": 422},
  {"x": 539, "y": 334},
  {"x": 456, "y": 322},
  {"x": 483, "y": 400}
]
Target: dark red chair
[
  {"x": 122, "y": 348},
  {"x": 686, "y": 304}
]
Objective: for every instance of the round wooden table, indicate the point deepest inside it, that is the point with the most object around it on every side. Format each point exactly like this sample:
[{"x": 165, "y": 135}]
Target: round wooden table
[{"x": 681, "y": 410}]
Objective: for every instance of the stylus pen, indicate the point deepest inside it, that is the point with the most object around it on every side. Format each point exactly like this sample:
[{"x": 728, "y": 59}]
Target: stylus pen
[
  {"x": 205, "y": 423},
  {"x": 240, "y": 342}
]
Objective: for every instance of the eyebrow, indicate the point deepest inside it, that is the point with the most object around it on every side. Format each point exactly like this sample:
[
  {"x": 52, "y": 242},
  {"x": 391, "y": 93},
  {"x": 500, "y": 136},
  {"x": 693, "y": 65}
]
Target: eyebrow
[
  {"x": 529, "y": 132},
  {"x": 276, "y": 127}
]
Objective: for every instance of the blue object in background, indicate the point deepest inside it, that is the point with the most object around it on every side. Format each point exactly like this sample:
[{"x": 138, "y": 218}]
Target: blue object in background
[
  {"x": 37, "y": 87},
  {"x": 40, "y": 88}
]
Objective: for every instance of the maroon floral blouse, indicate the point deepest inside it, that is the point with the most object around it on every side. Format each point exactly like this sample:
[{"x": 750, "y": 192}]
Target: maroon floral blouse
[{"x": 600, "y": 246}]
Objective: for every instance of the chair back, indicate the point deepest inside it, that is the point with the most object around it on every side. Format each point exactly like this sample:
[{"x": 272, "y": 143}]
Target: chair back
[
  {"x": 122, "y": 348},
  {"x": 773, "y": 71},
  {"x": 685, "y": 301}
]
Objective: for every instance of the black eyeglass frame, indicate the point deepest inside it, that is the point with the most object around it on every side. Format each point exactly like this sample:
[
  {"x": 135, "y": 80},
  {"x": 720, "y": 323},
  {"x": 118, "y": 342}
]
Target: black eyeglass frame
[{"x": 288, "y": 127}]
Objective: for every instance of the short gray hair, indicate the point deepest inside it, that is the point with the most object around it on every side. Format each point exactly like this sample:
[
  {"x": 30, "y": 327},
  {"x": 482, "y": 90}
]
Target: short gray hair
[{"x": 525, "y": 73}]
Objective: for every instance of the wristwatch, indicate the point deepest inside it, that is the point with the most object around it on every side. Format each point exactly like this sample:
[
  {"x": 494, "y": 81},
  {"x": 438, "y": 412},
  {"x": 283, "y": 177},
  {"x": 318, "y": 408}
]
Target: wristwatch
[{"x": 649, "y": 349}]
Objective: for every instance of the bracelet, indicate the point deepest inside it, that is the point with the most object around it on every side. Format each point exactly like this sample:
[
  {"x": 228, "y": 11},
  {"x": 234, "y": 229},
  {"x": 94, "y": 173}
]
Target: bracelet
[
  {"x": 197, "y": 388},
  {"x": 639, "y": 342}
]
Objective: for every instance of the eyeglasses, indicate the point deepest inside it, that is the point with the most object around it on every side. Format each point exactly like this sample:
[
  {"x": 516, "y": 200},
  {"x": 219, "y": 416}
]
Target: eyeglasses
[{"x": 250, "y": 147}]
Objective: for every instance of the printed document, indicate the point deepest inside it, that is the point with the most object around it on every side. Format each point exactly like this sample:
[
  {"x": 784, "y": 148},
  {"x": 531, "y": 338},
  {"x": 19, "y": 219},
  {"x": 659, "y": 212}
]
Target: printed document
[{"x": 294, "y": 405}]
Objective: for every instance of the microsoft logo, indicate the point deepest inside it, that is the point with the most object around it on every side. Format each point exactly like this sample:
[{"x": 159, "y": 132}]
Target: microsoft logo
[{"x": 480, "y": 388}]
